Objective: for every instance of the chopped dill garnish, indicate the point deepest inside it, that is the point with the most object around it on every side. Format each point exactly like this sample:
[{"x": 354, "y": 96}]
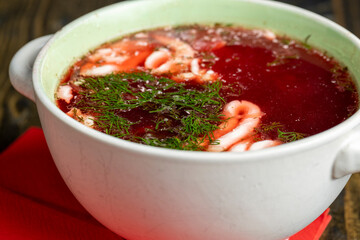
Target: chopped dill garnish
[
  {"x": 285, "y": 41},
  {"x": 340, "y": 76},
  {"x": 269, "y": 127},
  {"x": 281, "y": 60},
  {"x": 276, "y": 128},
  {"x": 306, "y": 42},
  {"x": 290, "y": 136},
  {"x": 182, "y": 116}
]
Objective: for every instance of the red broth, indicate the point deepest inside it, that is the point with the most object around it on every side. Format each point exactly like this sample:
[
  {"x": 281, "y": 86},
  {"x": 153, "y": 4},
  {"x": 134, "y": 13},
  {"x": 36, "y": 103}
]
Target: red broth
[{"x": 298, "y": 90}]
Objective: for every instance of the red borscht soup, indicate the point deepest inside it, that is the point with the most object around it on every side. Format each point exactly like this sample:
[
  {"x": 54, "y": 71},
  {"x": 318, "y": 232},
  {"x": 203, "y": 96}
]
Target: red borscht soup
[{"x": 208, "y": 88}]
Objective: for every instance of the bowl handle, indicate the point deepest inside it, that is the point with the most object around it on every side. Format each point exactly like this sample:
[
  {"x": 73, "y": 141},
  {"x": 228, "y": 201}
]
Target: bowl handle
[
  {"x": 348, "y": 159},
  {"x": 21, "y": 66}
]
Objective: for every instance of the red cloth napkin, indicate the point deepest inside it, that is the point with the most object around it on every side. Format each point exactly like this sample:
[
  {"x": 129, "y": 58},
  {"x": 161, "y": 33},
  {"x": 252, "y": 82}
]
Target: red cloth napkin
[{"x": 36, "y": 204}]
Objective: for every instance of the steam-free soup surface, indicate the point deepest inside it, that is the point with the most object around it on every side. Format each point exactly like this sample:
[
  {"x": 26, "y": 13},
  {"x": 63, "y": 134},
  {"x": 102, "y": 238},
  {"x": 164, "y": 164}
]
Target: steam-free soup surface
[{"x": 208, "y": 88}]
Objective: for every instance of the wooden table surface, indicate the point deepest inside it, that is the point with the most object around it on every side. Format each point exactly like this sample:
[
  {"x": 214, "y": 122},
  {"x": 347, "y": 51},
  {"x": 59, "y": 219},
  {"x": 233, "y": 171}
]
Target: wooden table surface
[{"x": 24, "y": 20}]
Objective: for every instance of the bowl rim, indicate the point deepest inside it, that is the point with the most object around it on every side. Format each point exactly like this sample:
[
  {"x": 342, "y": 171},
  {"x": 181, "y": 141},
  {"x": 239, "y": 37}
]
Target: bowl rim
[{"x": 307, "y": 143}]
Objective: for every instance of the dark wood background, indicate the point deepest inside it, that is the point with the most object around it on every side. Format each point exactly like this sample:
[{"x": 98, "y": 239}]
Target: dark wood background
[{"x": 24, "y": 20}]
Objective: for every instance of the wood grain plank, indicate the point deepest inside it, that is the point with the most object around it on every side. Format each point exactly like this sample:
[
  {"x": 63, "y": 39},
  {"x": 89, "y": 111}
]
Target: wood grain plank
[
  {"x": 347, "y": 14},
  {"x": 16, "y": 112},
  {"x": 352, "y": 207}
]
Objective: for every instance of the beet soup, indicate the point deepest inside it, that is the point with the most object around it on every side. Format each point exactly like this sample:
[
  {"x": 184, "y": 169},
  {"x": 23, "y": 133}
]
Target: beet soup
[{"x": 208, "y": 88}]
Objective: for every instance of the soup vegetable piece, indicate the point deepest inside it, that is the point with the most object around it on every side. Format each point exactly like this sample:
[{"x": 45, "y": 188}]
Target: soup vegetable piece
[{"x": 208, "y": 88}]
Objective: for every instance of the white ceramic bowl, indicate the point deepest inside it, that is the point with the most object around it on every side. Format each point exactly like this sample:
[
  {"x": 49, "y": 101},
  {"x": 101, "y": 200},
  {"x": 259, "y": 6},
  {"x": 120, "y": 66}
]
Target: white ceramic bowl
[{"x": 148, "y": 193}]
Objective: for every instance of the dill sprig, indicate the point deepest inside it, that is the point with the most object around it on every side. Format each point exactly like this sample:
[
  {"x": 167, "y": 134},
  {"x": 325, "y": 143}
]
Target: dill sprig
[
  {"x": 183, "y": 115},
  {"x": 290, "y": 136},
  {"x": 277, "y": 129}
]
